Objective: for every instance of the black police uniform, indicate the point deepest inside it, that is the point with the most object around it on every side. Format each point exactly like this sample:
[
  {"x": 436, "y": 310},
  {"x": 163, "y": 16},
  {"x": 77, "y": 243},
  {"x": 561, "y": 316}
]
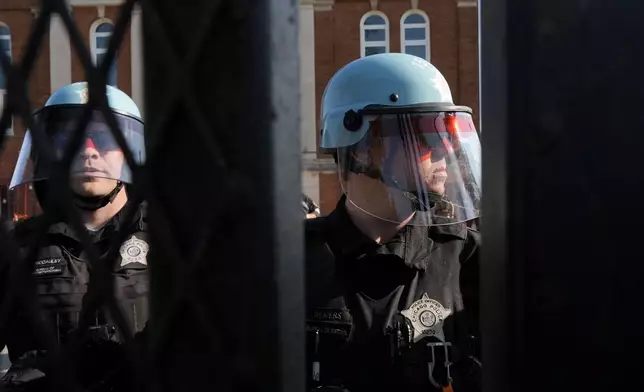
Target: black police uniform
[
  {"x": 62, "y": 272},
  {"x": 357, "y": 337}
]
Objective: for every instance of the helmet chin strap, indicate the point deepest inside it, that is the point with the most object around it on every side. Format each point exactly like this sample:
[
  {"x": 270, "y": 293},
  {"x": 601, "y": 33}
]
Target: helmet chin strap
[{"x": 93, "y": 203}]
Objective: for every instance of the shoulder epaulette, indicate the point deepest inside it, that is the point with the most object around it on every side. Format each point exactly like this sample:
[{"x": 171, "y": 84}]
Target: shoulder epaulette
[
  {"x": 320, "y": 268},
  {"x": 23, "y": 229},
  {"x": 143, "y": 216},
  {"x": 472, "y": 243}
]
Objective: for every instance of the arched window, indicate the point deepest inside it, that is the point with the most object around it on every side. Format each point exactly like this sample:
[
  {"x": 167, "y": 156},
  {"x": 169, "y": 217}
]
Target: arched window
[
  {"x": 414, "y": 34},
  {"x": 374, "y": 34},
  {"x": 100, "y": 34},
  {"x": 5, "y": 47}
]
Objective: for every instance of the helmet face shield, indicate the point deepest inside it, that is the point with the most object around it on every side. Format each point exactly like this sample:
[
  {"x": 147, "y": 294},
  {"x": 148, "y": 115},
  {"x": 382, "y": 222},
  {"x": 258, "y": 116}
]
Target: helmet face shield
[
  {"x": 415, "y": 168},
  {"x": 99, "y": 154}
]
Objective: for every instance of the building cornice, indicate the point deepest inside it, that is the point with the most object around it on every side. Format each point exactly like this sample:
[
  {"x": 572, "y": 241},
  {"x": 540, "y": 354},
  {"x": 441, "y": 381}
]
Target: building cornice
[
  {"x": 467, "y": 4},
  {"x": 323, "y": 5},
  {"x": 311, "y": 163}
]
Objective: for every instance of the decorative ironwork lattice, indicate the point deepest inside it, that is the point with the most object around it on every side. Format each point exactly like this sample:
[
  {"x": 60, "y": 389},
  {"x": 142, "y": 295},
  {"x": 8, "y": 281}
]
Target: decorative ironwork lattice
[{"x": 249, "y": 338}]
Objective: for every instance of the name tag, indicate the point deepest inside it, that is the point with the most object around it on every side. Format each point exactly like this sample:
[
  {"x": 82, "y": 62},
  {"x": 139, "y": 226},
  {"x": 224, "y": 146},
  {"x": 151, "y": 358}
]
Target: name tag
[
  {"x": 329, "y": 314},
  {"x": 49, "y": 266},
  {"x": 330, "y": 321}
]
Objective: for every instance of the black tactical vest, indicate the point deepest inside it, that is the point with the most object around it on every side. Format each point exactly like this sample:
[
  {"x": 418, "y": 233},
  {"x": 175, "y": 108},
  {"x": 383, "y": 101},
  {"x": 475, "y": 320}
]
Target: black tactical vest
[
  {"x": 366, "y": 301},
  {"x": 62, "y": 273}
]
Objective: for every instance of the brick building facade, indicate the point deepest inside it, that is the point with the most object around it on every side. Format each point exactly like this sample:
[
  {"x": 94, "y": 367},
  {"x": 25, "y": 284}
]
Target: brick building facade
[{"x": 332, "y": 33}]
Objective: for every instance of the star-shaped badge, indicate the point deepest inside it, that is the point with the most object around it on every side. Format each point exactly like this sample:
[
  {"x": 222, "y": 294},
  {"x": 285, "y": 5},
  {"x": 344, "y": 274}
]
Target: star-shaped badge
[
  {"x": 134, "y": 250},
  {"x": 427, "y": 316}
]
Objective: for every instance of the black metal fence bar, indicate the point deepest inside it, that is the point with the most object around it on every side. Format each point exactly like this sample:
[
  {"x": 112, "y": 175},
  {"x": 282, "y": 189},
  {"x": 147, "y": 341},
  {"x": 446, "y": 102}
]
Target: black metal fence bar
[
  {"x": 222, "y": 108},
  {"x": 222, "y": 181},
  {"x": 562, "y": 272}
]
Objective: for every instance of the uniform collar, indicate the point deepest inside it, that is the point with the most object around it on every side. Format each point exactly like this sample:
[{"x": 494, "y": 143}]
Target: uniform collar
[
  {"x": 116, "y": 223},
  {"x": 412, "y": 243}
]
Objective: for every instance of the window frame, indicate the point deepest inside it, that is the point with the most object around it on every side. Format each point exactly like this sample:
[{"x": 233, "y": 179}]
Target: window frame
[
  {"x": 95, "y": 51},
  {"x": 363, "y": 28},
  {"x": 426, "y": 25}
]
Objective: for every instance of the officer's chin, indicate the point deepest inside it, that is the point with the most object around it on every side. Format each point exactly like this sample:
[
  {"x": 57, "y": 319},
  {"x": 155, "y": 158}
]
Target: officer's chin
[
  {"x": 91, "y": 186},
  {"x": 437, "y": 185}
]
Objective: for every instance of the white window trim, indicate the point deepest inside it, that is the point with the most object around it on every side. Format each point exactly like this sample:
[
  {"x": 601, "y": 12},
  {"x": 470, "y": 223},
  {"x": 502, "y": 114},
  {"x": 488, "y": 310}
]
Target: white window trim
[
  {"x": 426, "y": 26},
  {"x": 93, "y": 35},
  {"x": 3, "y": 91},
  {"x": 2, "y": 95},
  {"x": 363, "y": 44}
]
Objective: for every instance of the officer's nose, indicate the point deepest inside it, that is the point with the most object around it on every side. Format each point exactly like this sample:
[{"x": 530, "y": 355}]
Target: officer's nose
[{"x": 89, "y": 151}]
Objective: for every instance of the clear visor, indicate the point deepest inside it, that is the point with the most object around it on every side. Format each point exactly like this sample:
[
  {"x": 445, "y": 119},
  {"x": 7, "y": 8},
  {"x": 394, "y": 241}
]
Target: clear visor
[
  {"x": 415, "y": 168},
  {"x": 99, "y": 154}
]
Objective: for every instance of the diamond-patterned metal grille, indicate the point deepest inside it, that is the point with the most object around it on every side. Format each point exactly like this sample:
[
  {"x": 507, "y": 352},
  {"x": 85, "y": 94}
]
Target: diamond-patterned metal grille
[{"x": 215, "y": 310}]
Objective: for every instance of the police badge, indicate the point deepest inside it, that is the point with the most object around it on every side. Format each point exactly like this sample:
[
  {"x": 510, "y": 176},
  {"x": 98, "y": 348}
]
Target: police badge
[
  {"x": 134, "y": 250},
  {"x": 427, "y": 316}
]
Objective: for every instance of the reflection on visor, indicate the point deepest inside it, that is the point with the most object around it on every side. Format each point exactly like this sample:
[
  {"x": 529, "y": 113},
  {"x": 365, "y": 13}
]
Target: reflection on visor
[
  {"x": 437, "y": 134},
  {"x": 61, "y": 123},
  {"x": 424, "y": 166},
  {"x": 98, "y": 140},
  {"x": 99, "y": 154}
]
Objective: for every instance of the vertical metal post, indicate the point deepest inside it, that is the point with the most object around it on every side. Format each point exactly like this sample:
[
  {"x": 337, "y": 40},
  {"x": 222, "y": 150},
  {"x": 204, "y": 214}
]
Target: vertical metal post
[
  {"x": 222, "y": 111},
  {"x": 562, "y": 268}
]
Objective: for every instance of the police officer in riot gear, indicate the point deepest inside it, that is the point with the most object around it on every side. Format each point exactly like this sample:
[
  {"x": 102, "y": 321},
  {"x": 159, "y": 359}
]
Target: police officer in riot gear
[
  {"x": 62, "y": 271},
  {"x": 392, "y": 272}
]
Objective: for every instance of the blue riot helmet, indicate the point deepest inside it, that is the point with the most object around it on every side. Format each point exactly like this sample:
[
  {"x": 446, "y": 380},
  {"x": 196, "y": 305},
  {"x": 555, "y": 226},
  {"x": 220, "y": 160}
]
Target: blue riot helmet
[
  {"x": 99, "y": 159},
  {"x": 405, "y": 152}
]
